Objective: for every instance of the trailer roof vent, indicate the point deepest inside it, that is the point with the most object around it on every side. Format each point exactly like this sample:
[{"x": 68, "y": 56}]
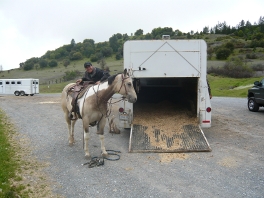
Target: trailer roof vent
[{"x": 166, "y": 37}]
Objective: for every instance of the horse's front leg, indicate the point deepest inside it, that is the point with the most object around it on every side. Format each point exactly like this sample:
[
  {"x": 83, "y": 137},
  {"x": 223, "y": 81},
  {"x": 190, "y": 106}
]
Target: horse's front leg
[
  {"x": 100, "y": 132},
  {"x": 86, "y": 137}
]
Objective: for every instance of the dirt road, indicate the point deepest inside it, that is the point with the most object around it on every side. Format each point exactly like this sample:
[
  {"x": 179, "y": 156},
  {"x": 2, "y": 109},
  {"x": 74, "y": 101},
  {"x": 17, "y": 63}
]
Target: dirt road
[{"x": 234, "y": 168}]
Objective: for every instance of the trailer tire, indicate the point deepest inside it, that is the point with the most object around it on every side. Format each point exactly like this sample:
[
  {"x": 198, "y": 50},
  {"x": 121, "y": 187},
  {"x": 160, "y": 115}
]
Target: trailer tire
[
  {"x": 22, "y": 93},
  {"x": 17, "y": 93},
  {"x": 31, "y": 94}
]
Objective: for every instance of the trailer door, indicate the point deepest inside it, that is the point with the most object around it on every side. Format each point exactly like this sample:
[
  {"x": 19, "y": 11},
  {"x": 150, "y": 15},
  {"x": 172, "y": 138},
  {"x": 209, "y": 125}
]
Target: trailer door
[
  {"x": 35, "y": 86},
  {"x": 1, "y": 87}
]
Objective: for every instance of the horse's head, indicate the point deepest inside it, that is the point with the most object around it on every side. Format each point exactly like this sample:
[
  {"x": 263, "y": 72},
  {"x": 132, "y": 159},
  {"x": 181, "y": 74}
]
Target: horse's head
[{"x": 126, "y": 88}]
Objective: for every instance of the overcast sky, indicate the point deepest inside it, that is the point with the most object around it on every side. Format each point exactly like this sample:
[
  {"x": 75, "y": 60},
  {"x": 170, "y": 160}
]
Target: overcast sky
[{"x": 29, "y": 28}]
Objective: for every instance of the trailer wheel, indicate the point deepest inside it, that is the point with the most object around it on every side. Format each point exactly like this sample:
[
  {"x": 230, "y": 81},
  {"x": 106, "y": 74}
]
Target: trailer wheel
[
  {"x": 17, "y": 93},
  {"x": 31, "y": 94},
  {"x": 26, "y": 94},
  {"x": 22, "y": 93}
]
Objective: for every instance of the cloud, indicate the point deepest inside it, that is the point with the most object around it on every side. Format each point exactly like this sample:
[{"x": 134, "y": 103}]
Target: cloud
[{"x": 29, "y": 28}]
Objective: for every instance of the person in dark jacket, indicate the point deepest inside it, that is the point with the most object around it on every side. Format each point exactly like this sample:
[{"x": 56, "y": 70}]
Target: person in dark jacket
[{"x": 93, "y": 74}]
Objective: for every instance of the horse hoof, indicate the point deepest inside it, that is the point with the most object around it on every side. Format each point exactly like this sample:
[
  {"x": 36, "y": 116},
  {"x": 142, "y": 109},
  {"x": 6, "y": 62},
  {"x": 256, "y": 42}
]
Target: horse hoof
[
  {"x": 87, "y": 157},
  {"x": 104, "y": 154}
]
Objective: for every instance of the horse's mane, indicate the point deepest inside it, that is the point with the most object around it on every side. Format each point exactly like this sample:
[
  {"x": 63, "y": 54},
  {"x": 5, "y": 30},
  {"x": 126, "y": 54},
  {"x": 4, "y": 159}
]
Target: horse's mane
[{"x": 112, "y": 78}]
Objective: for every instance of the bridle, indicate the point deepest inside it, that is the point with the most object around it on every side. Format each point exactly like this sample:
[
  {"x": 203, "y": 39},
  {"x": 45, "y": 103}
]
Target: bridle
[{"x": 123, "y": 78}]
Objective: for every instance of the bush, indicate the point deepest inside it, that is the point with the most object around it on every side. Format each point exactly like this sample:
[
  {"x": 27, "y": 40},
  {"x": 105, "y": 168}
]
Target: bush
[
  {"x": 258, "y": 67},
  {"x": 118, "y": 56},
  {"x": 70, "y": 75},
  {"x": 43, "y": 63},
  {"x": 28, "y": 66},
  {"x": 251, "y": 56},
  {"x": 66, "y": 62},
  {"x": 223, "y": 53},
  {"x": 77, "y": 56},
  {"x": 234, "y": 68},
  {"x": 53, "y": 63}
]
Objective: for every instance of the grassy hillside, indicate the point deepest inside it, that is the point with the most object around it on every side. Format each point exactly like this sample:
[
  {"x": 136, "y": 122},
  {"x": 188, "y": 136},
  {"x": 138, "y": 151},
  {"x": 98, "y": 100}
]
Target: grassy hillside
[{"x": 51, "y": 79}]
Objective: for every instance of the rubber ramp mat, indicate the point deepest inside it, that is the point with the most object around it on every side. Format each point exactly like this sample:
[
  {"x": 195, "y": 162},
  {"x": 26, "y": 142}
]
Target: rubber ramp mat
[{"x": 190, "y": 139}]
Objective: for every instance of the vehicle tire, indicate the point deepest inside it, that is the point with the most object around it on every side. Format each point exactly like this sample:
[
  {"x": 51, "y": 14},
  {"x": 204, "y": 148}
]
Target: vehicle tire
[
  {"x": 31, "y": 94},
  {"x": 17, "y": 93},
  {"x": 252, "y": 105},
  {"x": 22, "y": 93}
]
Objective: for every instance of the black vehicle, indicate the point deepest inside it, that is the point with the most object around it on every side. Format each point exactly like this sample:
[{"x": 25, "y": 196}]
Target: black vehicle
[{"x": 256, "y": 96}]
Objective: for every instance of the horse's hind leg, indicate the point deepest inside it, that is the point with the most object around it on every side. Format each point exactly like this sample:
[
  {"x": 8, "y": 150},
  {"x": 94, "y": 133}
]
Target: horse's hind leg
[{"x": 70, "y": 129}]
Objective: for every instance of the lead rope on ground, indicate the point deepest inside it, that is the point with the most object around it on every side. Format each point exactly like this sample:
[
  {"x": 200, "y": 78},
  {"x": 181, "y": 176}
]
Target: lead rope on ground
[{"x": 97, "y": 161}]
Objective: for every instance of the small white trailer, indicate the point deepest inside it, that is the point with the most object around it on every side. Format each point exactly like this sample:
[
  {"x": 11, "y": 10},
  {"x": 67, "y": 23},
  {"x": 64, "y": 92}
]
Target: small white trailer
[
  {"x": 171, "y": 72},
  {"x": 19, "y": 87}
]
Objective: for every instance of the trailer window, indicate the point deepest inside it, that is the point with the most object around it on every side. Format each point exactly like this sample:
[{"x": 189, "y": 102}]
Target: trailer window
[
  {"x": 35, "y": 82},
  {"x": 13, "y": 82},
  {"x": 7, "y": 82},
  {"x": 0, "y": 83},
  {"x": 19, "y": 82}
]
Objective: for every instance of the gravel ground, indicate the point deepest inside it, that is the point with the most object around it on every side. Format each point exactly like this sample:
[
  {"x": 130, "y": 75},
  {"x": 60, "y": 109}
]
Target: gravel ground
[{"x": 234, "y": 168}]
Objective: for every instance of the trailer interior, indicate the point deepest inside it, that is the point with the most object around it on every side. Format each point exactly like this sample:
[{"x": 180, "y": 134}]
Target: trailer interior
[{"x": 181, "y": 92}]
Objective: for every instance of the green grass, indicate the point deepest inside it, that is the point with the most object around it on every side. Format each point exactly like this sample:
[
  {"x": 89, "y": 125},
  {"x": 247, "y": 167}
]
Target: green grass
[
  {"x": 8, "y": 165},
  {"x": 230, "y": 87}
]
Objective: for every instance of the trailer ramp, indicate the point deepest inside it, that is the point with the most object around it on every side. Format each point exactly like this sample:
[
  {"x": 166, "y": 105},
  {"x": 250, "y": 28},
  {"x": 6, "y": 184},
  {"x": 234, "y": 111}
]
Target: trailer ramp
[{"x": 151, "y": 139}]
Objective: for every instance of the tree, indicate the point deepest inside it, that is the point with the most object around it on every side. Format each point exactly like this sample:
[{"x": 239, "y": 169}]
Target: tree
[
  {"x": 113, "y": 41},
  {"x": 119, "y": 36},
  {"x": 222, "y": 53},
  {"x": 21, "y": 65},
  {"x": 28, "y": 66},
  {"x": 261, "y": 20},
  {"x": 107, "y": 51},
  {"x": 43, "y": 63},
  {"x": 230, "y": 46},
  {"x": 66, "y": 62},
  {"x": 73, "y": 43},
  {"x": 76, "y": 56},
  {"x": 139, "y": 32},
  {"x": 240, "y": 33},
  {"x": 125, "y": 37},
  {"x": 102, "y": 63},
  {"x": 148, "y": 36},
  {"x": 206, "y": 30},
  {"x": 53, "y": 63},
  {"x": 241, "y": 24}
]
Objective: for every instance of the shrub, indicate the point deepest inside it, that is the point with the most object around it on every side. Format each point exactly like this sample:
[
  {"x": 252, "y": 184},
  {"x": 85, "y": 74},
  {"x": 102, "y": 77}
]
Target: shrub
[
  {"x": 223, "y": 53},
  {"x": 258, "y": 67},
  {"x": 70, "y": 75},
  {"x": 53, "y": 63},
  {"x": 234, "y": 68},
  {"x": 66, "y": 62},
  {"x": 43, "y": 63},
  {"x": 251, "y": 56}
]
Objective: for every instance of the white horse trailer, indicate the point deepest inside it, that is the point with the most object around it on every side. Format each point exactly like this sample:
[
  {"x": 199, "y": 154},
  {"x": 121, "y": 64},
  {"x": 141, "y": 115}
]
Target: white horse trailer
[
  {"x": 167, "y": 70},
  {"x": 19, "y": 87}
]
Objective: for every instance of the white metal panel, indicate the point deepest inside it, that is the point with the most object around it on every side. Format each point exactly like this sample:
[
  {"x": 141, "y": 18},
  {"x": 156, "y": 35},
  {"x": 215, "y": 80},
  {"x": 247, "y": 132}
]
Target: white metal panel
[{"x": 164, "y": 58}]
